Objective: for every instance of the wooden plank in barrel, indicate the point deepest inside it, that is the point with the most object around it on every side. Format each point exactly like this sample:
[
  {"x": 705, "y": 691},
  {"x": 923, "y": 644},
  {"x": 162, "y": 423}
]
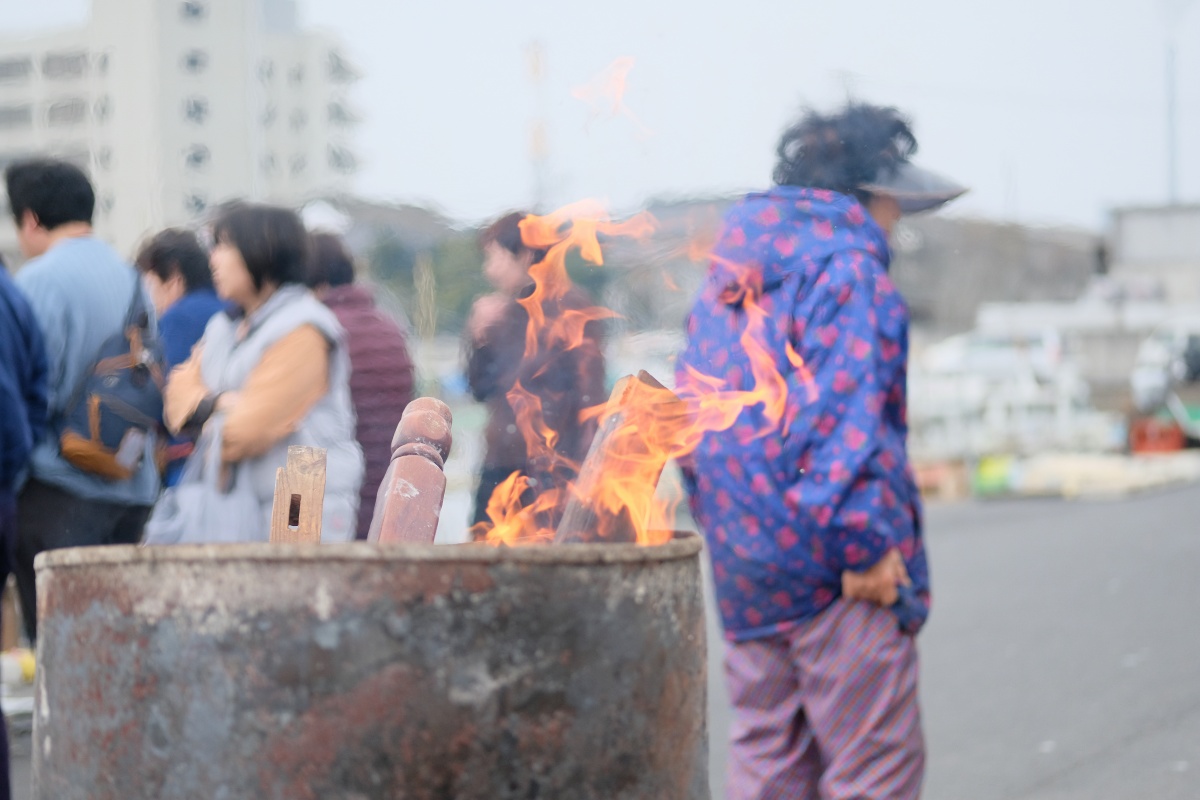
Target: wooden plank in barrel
[
  {"x": 299, "y": 497},
  {"x": 622, "y": 434}
]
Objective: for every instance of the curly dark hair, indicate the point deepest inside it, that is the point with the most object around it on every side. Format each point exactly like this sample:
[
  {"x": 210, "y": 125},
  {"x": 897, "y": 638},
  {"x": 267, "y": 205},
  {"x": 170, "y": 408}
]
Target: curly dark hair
[{"x": 844, "y": 151}]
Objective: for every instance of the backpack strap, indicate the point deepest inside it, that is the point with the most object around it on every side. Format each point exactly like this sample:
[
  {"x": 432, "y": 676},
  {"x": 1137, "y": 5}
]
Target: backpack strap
[{"x": 135, "y": 305}]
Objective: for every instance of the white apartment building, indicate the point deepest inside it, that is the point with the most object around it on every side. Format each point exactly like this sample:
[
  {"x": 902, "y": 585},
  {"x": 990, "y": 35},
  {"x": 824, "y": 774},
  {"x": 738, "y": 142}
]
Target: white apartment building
[{"x": 175, "y": 106}]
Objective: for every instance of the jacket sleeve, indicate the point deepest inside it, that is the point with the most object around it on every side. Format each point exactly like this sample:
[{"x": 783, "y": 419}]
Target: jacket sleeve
[
  {"x": 493, "y": 364},
  {"x": 35, "y": 378},
  {"x": 173, "y": 335},
  {"x": 278, "y": 394},
  {"x": 57, "y": 330},
  {"x": 843, "y": 338}
]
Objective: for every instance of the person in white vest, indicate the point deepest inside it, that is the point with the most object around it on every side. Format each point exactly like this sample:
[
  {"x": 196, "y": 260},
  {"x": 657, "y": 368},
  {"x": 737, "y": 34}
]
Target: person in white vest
[{"x": 274, "y": 374}]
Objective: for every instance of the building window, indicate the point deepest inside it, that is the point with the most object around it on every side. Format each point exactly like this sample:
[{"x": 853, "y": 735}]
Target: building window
[
  {"x": 340, "y": 114},
  {"x": 268, "y": 116},
  {"x": 59, "y": 66},
  {"x": 342, "y": 160},
  {"x": 266, "y": 71},
  {"x": 14, "y": 117},
  {"x": 194, "y": 61},
  {"x": 296, "y": 75},
  {"x": 194, "y": 203},
  {"x": 197, "y": 157},
  {"x": 195, "y": 109},
  {"x": 193, "y": 10},
  {"x": 267, "y": 164},
  {"x": 298, "y": 164},
  {"x": 298, "y": 119},
  {"x": 340, "y": 70},
  {"x": 16, "y": 69},
  {"x": 67, "y": 112},
  {"x": 102, "y": 109}
]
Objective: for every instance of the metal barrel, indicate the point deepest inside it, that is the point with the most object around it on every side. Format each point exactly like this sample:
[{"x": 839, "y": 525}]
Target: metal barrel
[{"x": 371, "y": 671}]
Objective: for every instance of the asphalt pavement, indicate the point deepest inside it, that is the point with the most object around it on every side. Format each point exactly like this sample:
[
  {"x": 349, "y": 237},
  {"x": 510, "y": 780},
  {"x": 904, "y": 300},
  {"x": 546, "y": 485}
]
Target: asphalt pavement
[{"x": 1062, "y": 661}]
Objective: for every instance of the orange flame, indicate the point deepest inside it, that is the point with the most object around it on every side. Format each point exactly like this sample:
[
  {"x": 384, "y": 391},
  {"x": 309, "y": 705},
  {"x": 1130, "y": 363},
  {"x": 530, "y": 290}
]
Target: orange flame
[
  {"x": 540, "y": 438},
  {"x": 512, "y": 521},
  {"x": 605, "y": 93},
  {"x": 645, "y": 425}
]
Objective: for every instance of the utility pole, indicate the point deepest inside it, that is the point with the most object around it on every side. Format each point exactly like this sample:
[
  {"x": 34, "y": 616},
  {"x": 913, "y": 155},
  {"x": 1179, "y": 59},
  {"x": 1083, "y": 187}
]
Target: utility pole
[
  {"x": 539, "y": 148},
  {"x": 1172, "y": 132},
  {"x": 1173, "y": 12}
]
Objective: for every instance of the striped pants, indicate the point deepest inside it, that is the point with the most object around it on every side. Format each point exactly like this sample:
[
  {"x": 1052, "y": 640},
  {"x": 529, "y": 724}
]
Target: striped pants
[{"x": 826, "y": 710}]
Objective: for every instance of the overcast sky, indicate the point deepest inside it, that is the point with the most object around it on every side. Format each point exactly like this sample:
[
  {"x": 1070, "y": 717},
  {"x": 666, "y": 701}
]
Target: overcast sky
[{"x": 1051, "y": 110}]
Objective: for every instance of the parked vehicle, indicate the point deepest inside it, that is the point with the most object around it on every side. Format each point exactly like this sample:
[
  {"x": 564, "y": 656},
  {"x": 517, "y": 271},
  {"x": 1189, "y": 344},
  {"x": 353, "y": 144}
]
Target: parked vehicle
[{"x": 1168, "y": 362}]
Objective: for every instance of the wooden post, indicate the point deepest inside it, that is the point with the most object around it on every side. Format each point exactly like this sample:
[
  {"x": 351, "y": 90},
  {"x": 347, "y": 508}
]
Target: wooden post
[
  {"x": 623, "y": 434},
  {"x": 409, "y": 504},
  {"x": 299, "y": 497}
]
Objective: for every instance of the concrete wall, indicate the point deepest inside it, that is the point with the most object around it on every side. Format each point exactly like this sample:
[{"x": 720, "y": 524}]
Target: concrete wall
[
  {"x": 1161, "y": 245},
  {"x": 947, "y": 267}
]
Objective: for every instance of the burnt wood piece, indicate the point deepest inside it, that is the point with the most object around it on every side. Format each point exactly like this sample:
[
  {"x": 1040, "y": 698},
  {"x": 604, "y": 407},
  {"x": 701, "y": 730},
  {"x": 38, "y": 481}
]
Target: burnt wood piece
[
  {"x": 640, "y": 410},
  {"x": 410, "y": 497},
  {"x": 299, "y": 497}
]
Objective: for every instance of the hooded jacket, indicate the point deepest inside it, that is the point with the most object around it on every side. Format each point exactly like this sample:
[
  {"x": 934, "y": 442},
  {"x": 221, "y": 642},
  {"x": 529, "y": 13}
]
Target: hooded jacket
[{"x": 787, "y": 507}]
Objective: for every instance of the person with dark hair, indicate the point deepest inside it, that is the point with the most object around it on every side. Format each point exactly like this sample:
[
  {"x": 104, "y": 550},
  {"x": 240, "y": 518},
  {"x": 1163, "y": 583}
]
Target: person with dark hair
[
  {"x": 565, "y": 381},
  {"x": 274, "y": 373},
  {"x": 813, "y": 519},
  {"x": 80, "y": 291},
  {"x": 22, "y": 424},
  {"x": 381, "y": 375},
  {"x": 175, "y": 268}
]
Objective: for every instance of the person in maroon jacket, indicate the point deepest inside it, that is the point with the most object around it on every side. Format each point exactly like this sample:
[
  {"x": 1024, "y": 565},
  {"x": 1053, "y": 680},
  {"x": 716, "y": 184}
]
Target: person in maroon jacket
[{"x": 381, "y": 378}]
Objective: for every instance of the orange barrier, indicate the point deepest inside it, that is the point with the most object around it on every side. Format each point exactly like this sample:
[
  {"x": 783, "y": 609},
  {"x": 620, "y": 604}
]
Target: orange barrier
[{"x": 1151, "y": 435}]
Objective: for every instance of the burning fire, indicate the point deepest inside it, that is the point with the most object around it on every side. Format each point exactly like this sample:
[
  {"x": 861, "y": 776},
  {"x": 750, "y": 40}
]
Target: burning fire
[
  {"x": 644, "y": 425},
  {"x": 606, "y": 93}
]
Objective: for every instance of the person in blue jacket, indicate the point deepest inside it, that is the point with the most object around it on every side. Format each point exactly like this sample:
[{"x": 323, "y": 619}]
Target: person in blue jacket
[
  {"x": 175, "y": 269},
  {"x": 80, "y": 291},
  {"x": 22, "y": 423},
  {"x": 811, "y": 513}
]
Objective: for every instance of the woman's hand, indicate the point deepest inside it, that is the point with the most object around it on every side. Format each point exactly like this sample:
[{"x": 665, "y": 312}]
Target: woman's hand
[
  {"x": 878, "y": 584},
  {"x": 486, "y": 312}
]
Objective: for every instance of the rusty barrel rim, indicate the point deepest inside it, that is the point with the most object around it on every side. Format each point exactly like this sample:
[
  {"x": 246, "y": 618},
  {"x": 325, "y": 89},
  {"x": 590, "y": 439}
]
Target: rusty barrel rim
[{"x": 682, "y": 545}]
